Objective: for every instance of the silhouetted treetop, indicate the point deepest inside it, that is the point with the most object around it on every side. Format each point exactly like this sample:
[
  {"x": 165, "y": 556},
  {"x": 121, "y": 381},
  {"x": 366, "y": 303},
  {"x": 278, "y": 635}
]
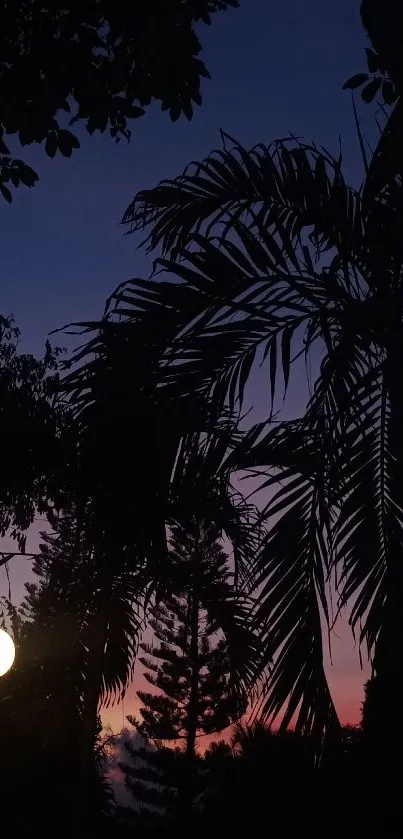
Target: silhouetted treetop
[
  {"x": 100, "y": 62},
  {"x": 384, "y": 24},
  {"x": 383, "y": 84},
  {"x": 384, "y": 77}
]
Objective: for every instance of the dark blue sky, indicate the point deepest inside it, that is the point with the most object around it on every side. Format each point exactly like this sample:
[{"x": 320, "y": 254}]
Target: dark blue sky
[{"x": 276, "y": 66}]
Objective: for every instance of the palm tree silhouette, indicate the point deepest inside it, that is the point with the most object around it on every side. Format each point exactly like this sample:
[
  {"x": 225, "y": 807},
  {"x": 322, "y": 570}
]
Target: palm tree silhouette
[{"x": 290, "y": 261}]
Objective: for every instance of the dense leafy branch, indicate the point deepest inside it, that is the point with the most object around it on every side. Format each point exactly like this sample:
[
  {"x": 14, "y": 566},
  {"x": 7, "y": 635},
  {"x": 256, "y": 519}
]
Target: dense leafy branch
[{"x": 98, "y": 62}]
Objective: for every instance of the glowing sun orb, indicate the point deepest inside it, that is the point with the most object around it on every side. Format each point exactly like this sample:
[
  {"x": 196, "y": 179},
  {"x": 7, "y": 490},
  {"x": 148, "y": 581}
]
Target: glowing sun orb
[{"x": 7, "y": 652}]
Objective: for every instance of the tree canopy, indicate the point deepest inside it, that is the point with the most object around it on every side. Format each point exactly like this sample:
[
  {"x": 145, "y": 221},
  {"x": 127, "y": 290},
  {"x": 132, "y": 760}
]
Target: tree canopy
[
  {"x": 99, "y": 62},
  {"x": 267, "y": 256},
  {"x": 288, "y": 260}
]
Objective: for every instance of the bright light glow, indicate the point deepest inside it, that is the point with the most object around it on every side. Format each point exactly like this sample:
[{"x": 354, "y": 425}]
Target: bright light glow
[{"x": 7, "y": 652}]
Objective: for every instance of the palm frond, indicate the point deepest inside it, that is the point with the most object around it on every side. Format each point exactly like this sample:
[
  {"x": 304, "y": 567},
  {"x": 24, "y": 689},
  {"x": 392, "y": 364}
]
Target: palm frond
[
  {"x": 201, "y": 481},
  {"x": 288, "y": 184},
  {"x": 265, "y": 254},
  {"x": 290, "y": 249},
  {"x": 291, "y": 605},
  {"x": 258, "y": 316},
  {"x": 291, "y": 576},
  {"x": 310, "y": 459},
  {"x": 125, "y": 625},
  {"x": 369, "y": 531},
  {"x": 124, "y": 423}
]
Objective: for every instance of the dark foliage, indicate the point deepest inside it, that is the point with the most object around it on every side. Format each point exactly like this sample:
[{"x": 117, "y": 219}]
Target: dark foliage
[
  {"x": 157, "y": 778},
  {"x": 260, "y": 760},
  {"x": 384, "y": 24},
  {"x": 127, "y": 423},
  {"x": 172, "y": 670},
  {"x": 263, "y": 777},
  {"x": 43, "y": 696},
  {"x": 99, "y": 62},
  {"x": 384, "y": 80},
  {"x": 266, "y": 255},
  {"x": 267, "y": 777},
  {"x": 33, "y": 430},
  {"x": 286, "y": 257},
  {"x": 190, "y": 670}
]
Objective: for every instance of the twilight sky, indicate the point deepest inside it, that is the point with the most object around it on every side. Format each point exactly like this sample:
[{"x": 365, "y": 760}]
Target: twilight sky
[{"x": 276, "y": 66}]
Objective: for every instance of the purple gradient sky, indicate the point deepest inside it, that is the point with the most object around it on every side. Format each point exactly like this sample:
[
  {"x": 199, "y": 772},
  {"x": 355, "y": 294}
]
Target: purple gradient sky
[{"x": 276, "y": 66}]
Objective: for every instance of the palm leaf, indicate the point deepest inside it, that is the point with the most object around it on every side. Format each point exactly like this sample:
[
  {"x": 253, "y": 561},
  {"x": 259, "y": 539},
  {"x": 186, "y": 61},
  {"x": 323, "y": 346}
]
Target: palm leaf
[
  {"x": 288, "y": 184},
  {"x": 369, "y": 530},
  {"x": 292, "y": 601}
]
